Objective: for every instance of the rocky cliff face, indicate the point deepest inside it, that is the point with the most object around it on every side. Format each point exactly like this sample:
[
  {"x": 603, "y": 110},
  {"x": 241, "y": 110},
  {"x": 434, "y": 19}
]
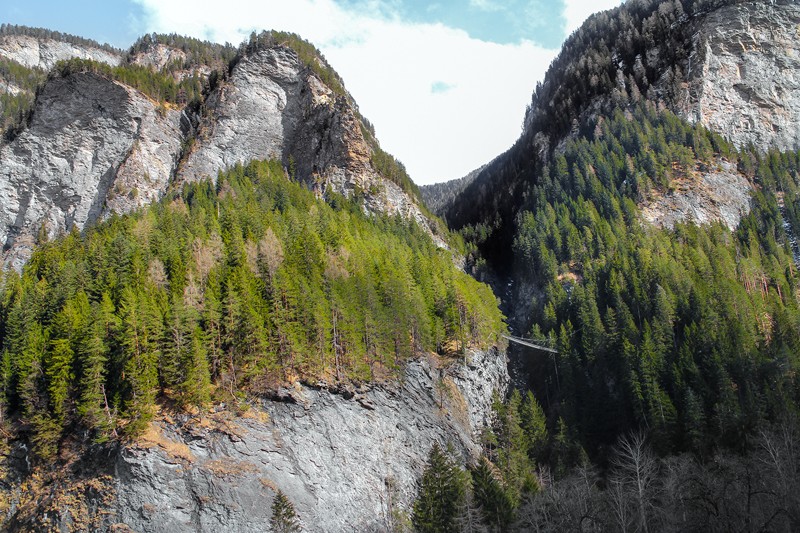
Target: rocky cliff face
[
  {"x": 346, "y": 460},
  {"x": 273, "y": 106},
  {"x": 705, "y": 196},
  {"x": 93, "y": 146},
  {"x": 96, "y": 146},
  {"x": 744, "y": 74},
  {"x": 40, "y": 53},
  {"x": 742, "y": 81}
]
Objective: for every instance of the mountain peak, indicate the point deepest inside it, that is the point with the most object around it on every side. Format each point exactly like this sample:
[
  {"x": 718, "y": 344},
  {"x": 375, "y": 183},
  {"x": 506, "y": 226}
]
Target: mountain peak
[{"x": 104, "y": 139}]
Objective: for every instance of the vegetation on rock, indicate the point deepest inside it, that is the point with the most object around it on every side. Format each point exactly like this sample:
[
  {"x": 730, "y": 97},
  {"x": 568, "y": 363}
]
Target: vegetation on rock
[{"x": 224, "y": 290}]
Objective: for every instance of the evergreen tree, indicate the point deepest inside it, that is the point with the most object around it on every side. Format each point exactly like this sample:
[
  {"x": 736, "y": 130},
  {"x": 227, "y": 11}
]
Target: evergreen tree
[
  {"x": 496, "y": 506},
  {"x": 441, "y": 494},
  {"x": 140, "y": 353},
  {"x": 284, "y": 518}
]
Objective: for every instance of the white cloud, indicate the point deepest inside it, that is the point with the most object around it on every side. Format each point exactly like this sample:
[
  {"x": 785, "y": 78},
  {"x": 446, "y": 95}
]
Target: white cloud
[
  {"x": 577, "y": 11},
  {"x": 389, "y": 67}
]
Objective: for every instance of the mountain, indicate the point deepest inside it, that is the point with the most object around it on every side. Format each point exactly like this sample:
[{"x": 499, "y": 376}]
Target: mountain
[
  {"x": 704, "y": 60},
  {"x": 159, "y": 119},
  {"x": 37, "y": 48},
  {"x": 232, "y": 340},
  {"x": 644, "y": 225},
  {"x": 223, "y": 291},
  {"x": 438, "y": 196},
  {"x": 275, "y": 334},
  {"x": 642, "y": 231}
]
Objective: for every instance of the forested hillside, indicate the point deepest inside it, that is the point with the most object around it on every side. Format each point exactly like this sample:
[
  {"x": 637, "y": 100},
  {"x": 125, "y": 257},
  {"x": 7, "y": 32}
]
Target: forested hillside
[
  {"x": 692, "y": 332},
  {"x": 221, "y": 291},
  {"x": 636, "y": 52},
  {"x": 671, "y": 403},
  {"x": 19, "y": 84}
]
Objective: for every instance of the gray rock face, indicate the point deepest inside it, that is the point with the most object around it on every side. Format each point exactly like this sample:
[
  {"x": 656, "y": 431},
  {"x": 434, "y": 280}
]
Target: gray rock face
[
  {"x": 248, "y": 116},
  {"x": 719, "y": 194},
  {"x": 97, "y": 146},
  {"x": 45, "y": 53},
  {"x": 9, "y": 87},
  {"x": 344, "y": 463},
  {"x": 274, "y": 107},
  {"x": 743, "y": 81},
  {"x": 158, "y": 57},
  {"x": 744, "y": 74},
  {"x": 94, "y": 146}
]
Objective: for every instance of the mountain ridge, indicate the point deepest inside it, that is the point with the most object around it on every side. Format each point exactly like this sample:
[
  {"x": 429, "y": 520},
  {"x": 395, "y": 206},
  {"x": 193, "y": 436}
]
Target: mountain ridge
[
  {"x": 642, "y": 50},
  {"x": 189, "y": 103}
]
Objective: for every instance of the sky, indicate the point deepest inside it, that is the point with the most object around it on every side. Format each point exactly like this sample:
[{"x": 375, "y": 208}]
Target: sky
[{"x": 445, "y": 83}]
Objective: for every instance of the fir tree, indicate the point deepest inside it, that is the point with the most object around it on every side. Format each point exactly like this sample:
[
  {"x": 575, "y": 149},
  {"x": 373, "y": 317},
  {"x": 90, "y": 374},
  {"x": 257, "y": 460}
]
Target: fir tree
[
  {"x": 284, "y": 518},
  {"x": 441, "y": 494},
  {"x": 496, "y": 506}
]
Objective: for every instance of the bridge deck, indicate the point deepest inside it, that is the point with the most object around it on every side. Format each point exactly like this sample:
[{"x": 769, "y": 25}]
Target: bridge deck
[{"x": 528, "y": 343}]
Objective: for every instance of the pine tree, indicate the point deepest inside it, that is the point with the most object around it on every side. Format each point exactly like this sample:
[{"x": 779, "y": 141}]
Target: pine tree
[
  {"x": 284, "y": 518},
  {"x": 93, "y": 404},
  {"x": 140, "y": 351},
  {"x": 441, "y": 494},
  {"x": 534, "y": 424},
  {"x": 195, "y": 387},
  {"x": 497, "y": 507},
  {"x": 58, "y": 369}
]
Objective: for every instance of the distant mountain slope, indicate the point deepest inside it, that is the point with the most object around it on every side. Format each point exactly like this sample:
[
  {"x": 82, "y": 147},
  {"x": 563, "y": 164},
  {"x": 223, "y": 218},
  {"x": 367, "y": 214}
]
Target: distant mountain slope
[
  {"x": 42, "y": 49},
  {"x": 438, "y": 196}
]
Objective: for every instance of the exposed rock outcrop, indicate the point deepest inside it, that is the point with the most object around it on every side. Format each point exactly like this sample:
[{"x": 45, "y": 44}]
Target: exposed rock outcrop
[
  {"x": 93, "y": 146},
  {"x": 345, "y": 460},
  {"x": 710, "y": 195},
  {"x": 273, "y": 106},
  {"x": 40, "y": 53},
  {"x": 96, "y": 146},
  {"x": 744, "y": 74},
  {"x": 158, "y": 56}
]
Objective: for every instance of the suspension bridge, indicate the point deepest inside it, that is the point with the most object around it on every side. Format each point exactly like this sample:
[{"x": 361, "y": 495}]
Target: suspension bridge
[{"x": 538, "y": 344}]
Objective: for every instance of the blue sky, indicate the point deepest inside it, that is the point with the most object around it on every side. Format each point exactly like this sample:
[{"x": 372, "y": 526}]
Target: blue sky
[
  {"x": 504, "y": 22},
  {"x": 445, "y": 83},
  {"x": 118, "y": 23}
]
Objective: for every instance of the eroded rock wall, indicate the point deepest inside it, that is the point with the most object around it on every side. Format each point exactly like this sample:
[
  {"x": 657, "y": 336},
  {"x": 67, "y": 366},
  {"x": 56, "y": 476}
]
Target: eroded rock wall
[
  {"x": 744, "y": 74},
  {"x": 273, "y": 106},
  {"x": 345, "y": 460},
  {"x": 93, "y": 146},
  {"x": 34, "y": 52}
]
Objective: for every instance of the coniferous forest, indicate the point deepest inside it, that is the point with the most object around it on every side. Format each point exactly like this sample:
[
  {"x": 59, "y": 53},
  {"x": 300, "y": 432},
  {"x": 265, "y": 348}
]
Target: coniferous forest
[
  {"x": 223, "y": 291},
  {"x": 671, "y": 404}
]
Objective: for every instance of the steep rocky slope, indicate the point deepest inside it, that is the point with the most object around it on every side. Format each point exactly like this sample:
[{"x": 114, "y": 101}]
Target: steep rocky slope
[
  {"x": 96, "y": 146},
  {"x": 275, "y": 107},
  {"x": 44, "y": 53},
  {"x": 346, "y": 460},
  {"x": 744, "y": 74},
  {"x": 93, "y": 146},
  {"x": 731, "y": 66},
  {"x": 708, "y": 195}
]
